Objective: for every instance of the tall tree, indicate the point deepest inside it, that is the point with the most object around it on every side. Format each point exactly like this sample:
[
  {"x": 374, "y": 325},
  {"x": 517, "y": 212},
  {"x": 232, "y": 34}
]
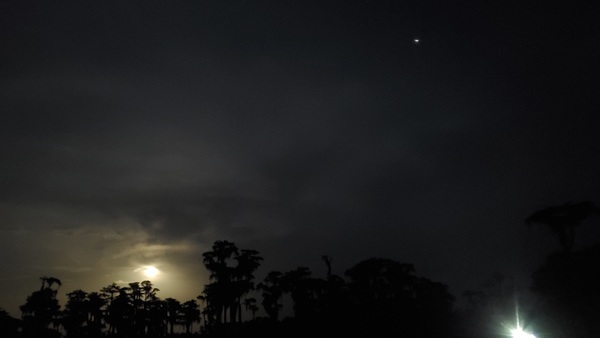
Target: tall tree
[
  {"x": 383, "y": 292},
  {"x": 148, "y": 292},
  {"x": 568, "y": 286},
  {"x": 173, "y": 313},
  {"x": 75, "y": 314},
  {"x": 220, "y": 291},
  {"x": 121, "y": 313},
  {"x": 40, "y": 308},
  {"x": 272, "y": 290},
  {"x": 155, "y": 313},
  {"x": 250, "y": 305},
  {"x": 47, "y": 282},
  {"x": 190, "y": 314},
  {"x": 109, "y": 293},
  {"x": 95, "y": 303},
  {"x": 327, "y": 261},
  {"x": 304, "y": 290},
  {"x": 232, "y": 277},
  {"x": 434, "y": 307},
  {"x": 208, "y": 313},
  {"x": 562, "y": 220},
  {"x": 152, "y": 309},
  {"x": 247, "y": 263}
]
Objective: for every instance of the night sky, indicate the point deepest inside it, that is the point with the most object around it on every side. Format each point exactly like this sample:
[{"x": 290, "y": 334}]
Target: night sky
[{"x": 137, "y": 133}]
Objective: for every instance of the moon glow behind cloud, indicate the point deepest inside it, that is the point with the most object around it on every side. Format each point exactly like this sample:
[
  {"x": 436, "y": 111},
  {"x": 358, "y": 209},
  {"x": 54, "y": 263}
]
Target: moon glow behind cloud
[{"x": 151, "y": 271}]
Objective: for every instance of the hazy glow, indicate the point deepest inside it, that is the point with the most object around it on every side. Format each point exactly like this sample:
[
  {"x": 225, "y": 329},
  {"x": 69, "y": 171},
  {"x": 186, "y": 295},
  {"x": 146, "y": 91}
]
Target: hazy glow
[
  {"x": 150, "y": 271},
  {"x": 519, "y": 333}
]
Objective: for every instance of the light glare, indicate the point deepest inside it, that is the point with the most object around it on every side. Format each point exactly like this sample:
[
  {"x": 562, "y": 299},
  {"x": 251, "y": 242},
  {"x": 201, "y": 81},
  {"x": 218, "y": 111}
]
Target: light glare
[{"x": 519, "y": 333}]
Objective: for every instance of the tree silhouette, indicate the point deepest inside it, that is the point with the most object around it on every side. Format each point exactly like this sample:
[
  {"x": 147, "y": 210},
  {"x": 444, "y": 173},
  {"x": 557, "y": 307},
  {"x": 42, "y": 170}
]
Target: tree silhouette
[
  {"x": 434, "y": 307},
  {"x": 304, "y": 290},
  {"x": 155, "y": 316},
  {"x": 383, "y": 294},
  {"x": 250, "y": 305},
  {"x": 379, "y": 279},
  {"x": 39, "y": 310},
  {"x": 190, "y": 314},
  {"x": 382, "y": 298},
  {"x": 220, "y": 291},
  {"x": 135, "y": 295},
  {"x": 209, "y": 312},
  {"x": 567, "y": 282},
  {"x": 9, "y": 326},
  {"x": 121, "y": 313},
  {"x": 148, "y": 291},
  {"x": 272, "y": 290},
  {"x": 95, "y": 303},
  {"x": 173, "y": 314},
  {"x": 109, "y": 292},
  {"x": 562, "y": 220},
  {"x": 83, "y": 314},
  {"x": 247, "y": 263},
  {"x": 229, "y": 283},
  {"x": 327, "y": 261},
  {"x": 47, "y": 282},
  {"x": 75, "y": 313}
]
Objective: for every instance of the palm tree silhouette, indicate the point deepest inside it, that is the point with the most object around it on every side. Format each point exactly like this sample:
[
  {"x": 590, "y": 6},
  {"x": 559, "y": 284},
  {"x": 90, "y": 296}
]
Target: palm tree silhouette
[
  {"x": 190, "y": 314},
  {"x": 220, "y": 291},
  {"x": 148, "y": 292},
  {"x": 121, "y": 313},
  {"x": 155, "y": 316},
  {"x": 95, "y": 303},
  {"x": 247, "y": 263},
  {"x": 173, "y": 312},
  {"x": 208, "y": 313},
  {"x": 108, "y": 293}
]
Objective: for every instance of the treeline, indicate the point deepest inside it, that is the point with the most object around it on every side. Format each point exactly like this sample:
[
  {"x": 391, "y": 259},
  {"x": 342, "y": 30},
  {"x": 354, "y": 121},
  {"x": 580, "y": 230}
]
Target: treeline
[{"x": 378, "y": 297}]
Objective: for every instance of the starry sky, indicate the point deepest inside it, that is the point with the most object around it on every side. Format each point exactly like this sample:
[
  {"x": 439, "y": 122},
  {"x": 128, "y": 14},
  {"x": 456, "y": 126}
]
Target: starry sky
[{"x": 137, "y": 133}]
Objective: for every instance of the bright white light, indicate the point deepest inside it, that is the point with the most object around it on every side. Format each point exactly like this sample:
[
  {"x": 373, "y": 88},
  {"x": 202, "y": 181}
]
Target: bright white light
[
  {"x": 150, "y": 271},
  {"x": 519, "y": 333},
  {"x": 416, "y": 41}
]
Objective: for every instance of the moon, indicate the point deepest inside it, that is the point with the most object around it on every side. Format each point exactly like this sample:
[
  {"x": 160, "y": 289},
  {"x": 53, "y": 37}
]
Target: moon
[{"x": 150, "y": 271}]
